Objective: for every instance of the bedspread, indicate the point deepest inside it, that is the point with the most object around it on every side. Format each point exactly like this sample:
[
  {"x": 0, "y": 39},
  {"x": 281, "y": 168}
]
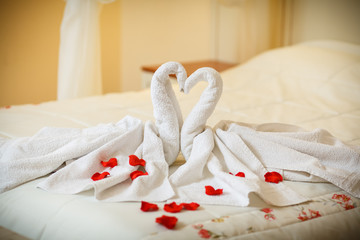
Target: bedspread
[{"x": 311, "y": 85}]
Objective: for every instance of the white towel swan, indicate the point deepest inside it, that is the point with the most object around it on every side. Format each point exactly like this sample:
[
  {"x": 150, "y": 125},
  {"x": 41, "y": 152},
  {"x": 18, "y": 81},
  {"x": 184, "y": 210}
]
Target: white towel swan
[
  {"x": 254, "y": 151},
  {"x": 24, "y": 159}
]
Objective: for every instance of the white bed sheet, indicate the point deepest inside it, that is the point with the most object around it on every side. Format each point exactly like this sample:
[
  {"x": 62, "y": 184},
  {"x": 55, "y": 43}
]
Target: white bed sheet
[{"x": 313, "y": 85}]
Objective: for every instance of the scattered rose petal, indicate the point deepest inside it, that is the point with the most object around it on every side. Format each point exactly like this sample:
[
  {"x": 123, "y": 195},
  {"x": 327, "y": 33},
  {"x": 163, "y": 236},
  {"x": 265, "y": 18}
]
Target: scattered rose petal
[
  {"x": 209, "y": 190},
  {"x": 137, "y": 173},
  {"x": 147, "y": 207},
  {"x": 112, "y": 162},
  {"x": 273, "y": 177},
  {"x": 167, "y": 221},
  {"x": 173, "y": 207},
  {"x": 98, "y": 176},
  {"x": 240, "y": 174},
  {"x": 190, "y": 206},
  {"x": 135, "y": 161}
]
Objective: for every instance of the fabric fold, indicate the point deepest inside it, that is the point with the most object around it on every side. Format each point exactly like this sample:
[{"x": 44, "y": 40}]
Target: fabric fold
[{"x": 157, "y": 143}]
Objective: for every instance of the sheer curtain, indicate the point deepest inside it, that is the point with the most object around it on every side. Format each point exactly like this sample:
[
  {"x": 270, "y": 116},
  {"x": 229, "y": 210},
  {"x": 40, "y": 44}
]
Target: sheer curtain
[
  {"x": 79, "y": 70},
  {"x": 249, "y": 27}
]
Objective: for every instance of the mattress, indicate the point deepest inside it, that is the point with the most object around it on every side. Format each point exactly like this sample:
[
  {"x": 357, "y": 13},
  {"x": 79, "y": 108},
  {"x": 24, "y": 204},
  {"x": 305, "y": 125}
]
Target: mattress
[{"x": 312, "y": 85}]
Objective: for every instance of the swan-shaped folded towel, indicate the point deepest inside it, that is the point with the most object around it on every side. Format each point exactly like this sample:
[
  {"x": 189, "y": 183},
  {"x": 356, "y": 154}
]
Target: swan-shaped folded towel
[
  {"x": 157, "y": 143},
  {"x": 211, "y": 154}
]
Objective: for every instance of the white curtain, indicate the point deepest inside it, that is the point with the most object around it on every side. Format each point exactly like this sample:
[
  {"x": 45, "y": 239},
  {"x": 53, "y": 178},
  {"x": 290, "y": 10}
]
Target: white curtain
[
  {"x": 79, "y": 70},
  {"x": 249, "y": 27}
]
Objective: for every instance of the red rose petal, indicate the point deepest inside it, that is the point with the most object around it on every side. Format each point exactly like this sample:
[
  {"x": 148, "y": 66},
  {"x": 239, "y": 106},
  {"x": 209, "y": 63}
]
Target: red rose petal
[
  {"x": 135, "y": 161},
  {"x": 190, "y": 206},
  {"x": 112, "y": 162},
  {"x": 209, "y": 190},
  {"x": 98, "y": 176},
  {"x": 147, "y": 207},
  {"x": 167, "y": 221},
  {"x": 173, "y": 207},
  {"x": 137, "y": 173},
  {"x": 273, "y": 177},
  {"x": 240, "y": 174}
]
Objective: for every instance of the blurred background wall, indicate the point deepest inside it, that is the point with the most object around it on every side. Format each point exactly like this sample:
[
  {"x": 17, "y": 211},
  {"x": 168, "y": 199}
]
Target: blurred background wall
[
  {"x": 141, "y": 32},
  {"x": 29, "y": 41}
]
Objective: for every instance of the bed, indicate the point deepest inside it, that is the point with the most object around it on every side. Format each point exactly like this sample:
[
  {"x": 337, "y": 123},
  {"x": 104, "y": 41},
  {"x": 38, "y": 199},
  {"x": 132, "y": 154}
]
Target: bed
[{"x": 312, "y": 85}]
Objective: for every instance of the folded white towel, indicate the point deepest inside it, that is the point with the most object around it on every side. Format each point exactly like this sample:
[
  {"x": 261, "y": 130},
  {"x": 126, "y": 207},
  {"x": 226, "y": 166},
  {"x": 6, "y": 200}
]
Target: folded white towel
[
  {"x": 254, "y": 152},
  {"x": 211, "y": 154},
  {"x": 27, "y": 158},
  {"x": 196, "y": 120},
  {"x": 141, "y": 140},
  {"x": 166, "y": 107},
  {"x": 297, "y": 154}
]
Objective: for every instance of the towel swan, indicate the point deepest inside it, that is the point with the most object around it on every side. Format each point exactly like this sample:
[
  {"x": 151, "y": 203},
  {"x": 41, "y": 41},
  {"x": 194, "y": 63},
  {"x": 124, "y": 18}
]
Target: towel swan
[
  {"x": 158, "y": 144},
  {"x": 202, "y": 167},
  {"x": 254, "y": 150}
]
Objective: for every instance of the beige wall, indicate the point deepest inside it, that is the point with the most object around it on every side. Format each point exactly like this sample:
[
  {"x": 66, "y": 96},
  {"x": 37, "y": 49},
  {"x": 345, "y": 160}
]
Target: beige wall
[
  {"x": 156, "y": 31},
  {"x": 326, "y": 19},
  {"x": 29, "y": 49},
  {"x": 29, "y": 39},
  {"x": 133, "y": 33},
  {"x": 140, "y": 32},
  {"x": 110, "y": 33}
]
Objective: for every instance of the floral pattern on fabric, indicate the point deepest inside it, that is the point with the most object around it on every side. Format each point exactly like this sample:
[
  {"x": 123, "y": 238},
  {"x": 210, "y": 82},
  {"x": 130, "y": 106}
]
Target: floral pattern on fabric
[
  {"x": 265, "y": 218},
  {"x": 268, "y": 215},
  {"x": 207, "y": 234},
  {"x": 220, "y": 219},
  {"x": 344, "y": 201},
  {"x": 304, "y": 216}
]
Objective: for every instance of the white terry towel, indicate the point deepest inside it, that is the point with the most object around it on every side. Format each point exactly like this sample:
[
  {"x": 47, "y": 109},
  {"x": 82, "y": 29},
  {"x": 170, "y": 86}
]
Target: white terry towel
[
  {"x": 297, "y": 154},
  {"x": 88, "y": 147},
  {"x": 166, "y": 107},
  {"x": 235, "y": 148},
  {"x": 207, "y": 165},
  {"x": 27, "y": 158}
]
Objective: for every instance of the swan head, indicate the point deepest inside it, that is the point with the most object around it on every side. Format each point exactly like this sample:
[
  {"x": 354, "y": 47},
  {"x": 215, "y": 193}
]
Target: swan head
[
  {"x": 169, "y": 68},
  {"x": 181, "y": 76},
  {"x": 203, "y": 74}
]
